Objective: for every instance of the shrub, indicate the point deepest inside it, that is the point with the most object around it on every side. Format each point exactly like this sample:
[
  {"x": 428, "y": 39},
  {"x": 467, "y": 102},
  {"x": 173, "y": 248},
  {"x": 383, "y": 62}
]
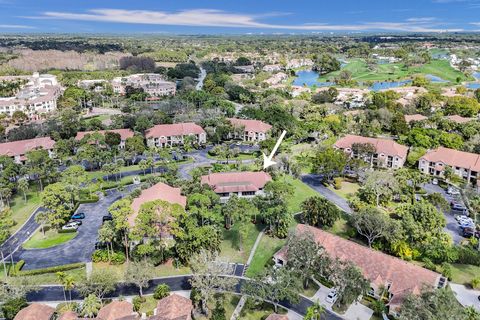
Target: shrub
[
  {"x": 66, "y": 231},
  {"x": 137, "y": 303},
  {"x": 118, "y": 258},
  {"x": 100, "y": 256},
  {"x": 17, "y": 268},
  {"x": 161, "y": 291},
  {"x": 65, "y": 267},
  {"x": 429, "y": 264},
  {"x": 67, "y": 306},
  {"x": 12, "y": 306},
  {"x": 476, "y": 283},
  {"x": 447, "y": 270},
  {"x": 468, "y": 256},
  {"x": 337, "y": 183},
  {"x": 92, "y": 199}
]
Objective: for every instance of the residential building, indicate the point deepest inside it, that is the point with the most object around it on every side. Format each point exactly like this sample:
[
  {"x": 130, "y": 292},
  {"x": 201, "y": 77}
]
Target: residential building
[
  {"x": 410, "y": 118},
  {"x": 389, "y": 276},
  {"x": 124, "y": 135},
  {"x": 253, "y": 130},
  {"x": 116, "y": 310},
  {"x": 463, "y": 164},
  {"x": 159, "y": 191},
  {"x": 407, "y": 94},
  {"x": 36, "y": 311},
  {"x": 388, "y": 153},
  {"x": 36, "y": 97},
  {"x": 459, "y": 119},
  {"x": 173, "y": 307},
  {"x": 18, "y": 149},
  {"x": 152, "y": 83},
  {"x": 272, "y": 68},
  {"x": 245, "y": 69},
  {"x": 68, "y": 315},
  {"x": 168, "y": 135},
  {"x": 298, "y": 63},
  {"x": 243, "y": 184},
  {"x": 276, "y": 78},
  {"x": 349, "y": 98},
  {"x": 94, "y": 85}
]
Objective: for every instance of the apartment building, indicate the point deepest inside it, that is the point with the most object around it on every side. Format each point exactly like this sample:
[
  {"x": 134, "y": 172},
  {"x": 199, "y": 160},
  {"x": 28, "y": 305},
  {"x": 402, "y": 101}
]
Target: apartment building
[
  {"x": 168, "y": 135},
  {"x": 253, "y": 130},
  {"x": 153, "y": 84},
  {"x": 37, "y": 96},
  {"x": 388, "y": 153},
  {"x": 464, "y": 164},
  {"x": 124, "y": 135},
  {"x": 18, "y": 149}
]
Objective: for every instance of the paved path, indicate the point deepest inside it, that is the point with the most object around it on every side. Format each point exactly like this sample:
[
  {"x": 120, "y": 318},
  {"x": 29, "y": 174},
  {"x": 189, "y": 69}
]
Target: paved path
[
  {"x": 80, "y": 248},
  {"x": 55, "y": 293},
  {"x": 466, "y": 297},
  {"x": 203, "y": 74},
  {"x": 315, "y": 182},
  {"x": 238, "y": 308}
]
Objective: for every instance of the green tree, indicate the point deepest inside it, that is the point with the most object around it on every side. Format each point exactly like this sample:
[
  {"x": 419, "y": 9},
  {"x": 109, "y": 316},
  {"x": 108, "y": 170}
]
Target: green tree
[
  {"x": 135, "y": 145},
  {"x": 75, "y": 178},
  {"x": 349, "y": 282},
  {"x": 22, "y": 185},
  {"x": 329, "y": 162},
  {"x": 106, "y": 234},
  {"x": 138, "y": 273},
  {"x": 90, "y": 306},
  {"x": 318, "y": 211},
  {"x": 372, "y": 223},
  {"x": 40, "y": 165},
  {"x": 161, "y": 291},
  {"x": 67, "y": 282},
  {"x": 12, "y": 306},
  {"x": 6, "y": 223},
  {"x": 381, "y": 186},
  {"x": 315, "y": 312},
  {"x": 219, "y": 312},
  {"x": 100, "y": 282},
  {"x": 56, "y": 200},
  {"x": 120, "y": 210}
]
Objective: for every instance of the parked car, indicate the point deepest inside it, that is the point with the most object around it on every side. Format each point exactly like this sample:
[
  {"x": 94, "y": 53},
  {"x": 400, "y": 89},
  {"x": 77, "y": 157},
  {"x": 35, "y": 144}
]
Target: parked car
[
  {"x": 332, "y": 296},
  {"x": 453, "y": 191},
  {"x": 70, "y": 226},
  {"x": 77, "y": 222},
  {"x": 435, "y": 181},
  {"x": 469, "y": 232},
  {"x": 462, "y": 217},
  {"x": 100, "y": 245},
  {"x": 78, "y": 215},
  {"x": 107, "y": 218}
]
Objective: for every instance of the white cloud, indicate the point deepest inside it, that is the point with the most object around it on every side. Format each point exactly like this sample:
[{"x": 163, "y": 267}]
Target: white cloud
[
  {"x": 15, "y": 26},
  {"x": 218, "y": 18}
]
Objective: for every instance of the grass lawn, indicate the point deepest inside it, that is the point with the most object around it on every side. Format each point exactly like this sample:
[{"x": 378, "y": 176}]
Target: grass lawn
[
  {"x": 230, "y": 302},
  {"x": 259, "y": 311},
  {"x": 340, "y": 228},
  {"x": 166, "y": 269},
  {"x": 464, "y": 273},
  {"x": 21, "y": 210},
  {"x": 51, "y": 278},
  {"x": 302, "y": 192},
  {"x": 52, "y": 238},
  {"x": 229, "y": 247},
  {"x": 348, "y": 189},
  {"x": 311, "y": 289},
  {"x": 442, "y": 69},
  {"x": 241, "y": 156},
  {"x": 264, "y": 253}
]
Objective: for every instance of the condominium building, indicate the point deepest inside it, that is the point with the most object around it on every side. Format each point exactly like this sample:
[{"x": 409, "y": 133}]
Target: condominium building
[
  {"x": 168, "y": 135},
  {"x": 253, "y": 130},
  {"x": 388, "y": 153},
  {"x": 37, "y": 95},
  {"x": 463, "y": 164},
  {"x": 18, "y": 149},
  {"x": 153, "y": 84}
]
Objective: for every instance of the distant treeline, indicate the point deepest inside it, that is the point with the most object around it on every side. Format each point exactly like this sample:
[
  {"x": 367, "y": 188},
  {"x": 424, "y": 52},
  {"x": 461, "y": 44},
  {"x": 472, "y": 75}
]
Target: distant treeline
[{"x": 62, "y": 45}]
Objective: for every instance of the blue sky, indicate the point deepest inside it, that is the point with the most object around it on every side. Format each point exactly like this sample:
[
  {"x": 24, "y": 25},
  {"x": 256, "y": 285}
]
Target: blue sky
[{"x": 238, "y": 16}]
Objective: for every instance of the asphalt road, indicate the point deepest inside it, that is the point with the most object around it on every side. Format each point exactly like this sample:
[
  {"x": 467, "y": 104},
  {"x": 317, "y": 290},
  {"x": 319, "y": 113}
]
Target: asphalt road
[
  {"x": 315, "y": 182},
  {"x": 80, "y": 248},
  {"x": 176, "y": 283}
]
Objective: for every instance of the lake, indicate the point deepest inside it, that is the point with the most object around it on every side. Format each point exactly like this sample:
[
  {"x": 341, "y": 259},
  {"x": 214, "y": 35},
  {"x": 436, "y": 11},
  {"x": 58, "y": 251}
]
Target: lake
[
  {"x": 473, "y": 85},
  {"x": 309, "y": 78},
  {"x": 382, "y": 85},
  {"x": 435, "y": 79}
]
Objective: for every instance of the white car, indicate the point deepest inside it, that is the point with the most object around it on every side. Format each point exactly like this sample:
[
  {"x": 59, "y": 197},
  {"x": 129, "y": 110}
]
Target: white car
[
  {"x": 453, "y": 191},
  {"x": 70, "y": 226},
  {"x": 332, "y": 296}
]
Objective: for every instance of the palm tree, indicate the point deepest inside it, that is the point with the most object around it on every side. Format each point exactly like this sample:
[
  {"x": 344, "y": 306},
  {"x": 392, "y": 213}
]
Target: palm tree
[
  {"x": 22, "y": 185},
  {"x": 61, "y": 276},
  {"x": 143, "y": 165},
  {"x": 315, "y": 312},
  {"x": 90, "y": 306}
]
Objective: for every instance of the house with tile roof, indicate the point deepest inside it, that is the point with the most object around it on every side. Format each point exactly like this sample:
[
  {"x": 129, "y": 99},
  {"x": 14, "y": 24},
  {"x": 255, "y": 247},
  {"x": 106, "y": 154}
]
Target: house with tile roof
[
  {"x": 388, "y": 275},
  {"x": 116, "y": 310},
  {"x": 464, "y": 164},
  {"x": 243, "y": 184},
  {"x": 409, "y": 118},
  {"x": 252, "y": 130},
  {"x": 159, "y": 191},
  {"x": 36, "y": 311},
  {"x": 459, "y": 119},
  {"x": 173, "y": 307},
  {"x": 124, "y": 135},
  {"x": 169, "y": 135},
  {"x": 18, "y": 149},
  {"x": 388, "y": 153}
]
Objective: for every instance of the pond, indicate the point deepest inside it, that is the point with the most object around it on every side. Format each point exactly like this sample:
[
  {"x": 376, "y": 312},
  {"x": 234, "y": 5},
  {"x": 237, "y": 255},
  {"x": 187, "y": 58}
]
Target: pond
[
  {"x": 435, "y": 79},
  {"x": 382, "y": 85},
  {"x": 473, "y": 85},
  {"x": 476, "y": 75},
  {"x": 309, "y": 78}
]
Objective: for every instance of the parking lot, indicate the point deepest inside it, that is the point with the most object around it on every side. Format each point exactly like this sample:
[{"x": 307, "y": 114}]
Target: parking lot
[{"x": 80, "y": 248}]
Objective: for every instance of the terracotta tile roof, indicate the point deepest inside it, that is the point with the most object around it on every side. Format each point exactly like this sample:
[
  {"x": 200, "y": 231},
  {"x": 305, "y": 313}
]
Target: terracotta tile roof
[
  {"x": 174, "y": 307},
  {"x": 415, "y": 117},
  {"x": 453, "y": 158},
  {"x": 35, "y": 311},
  {"x": 17, "y": 148},
  {"x": 177, "y": 129},
  {"x": 388, "y": 147},
  {"x": 459, "y": 119},
  {"x": 115, "y": 310},
  {"x": 377, "y": 267},
  {"x": 159, "y": 191},
  {"x": 275, "y": 316},
  {"x": 69, "y": 315},
  {"x": 124, "y": 133},
  {"x": 236, "y": 181},
  {"x": 251, "y": 125}
]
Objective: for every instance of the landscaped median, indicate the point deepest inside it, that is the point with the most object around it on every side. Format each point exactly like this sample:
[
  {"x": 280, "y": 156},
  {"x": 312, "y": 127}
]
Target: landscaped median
[{"x": 51, "y": 238}]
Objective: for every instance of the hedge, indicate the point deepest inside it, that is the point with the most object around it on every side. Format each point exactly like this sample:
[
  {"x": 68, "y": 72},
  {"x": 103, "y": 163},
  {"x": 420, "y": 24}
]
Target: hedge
[
  {"x": 64, "y": 267},
  {"x": 66, "y": 231},
  {"x": 17, "y": 267},
  {"x": 93, "y": 199}
]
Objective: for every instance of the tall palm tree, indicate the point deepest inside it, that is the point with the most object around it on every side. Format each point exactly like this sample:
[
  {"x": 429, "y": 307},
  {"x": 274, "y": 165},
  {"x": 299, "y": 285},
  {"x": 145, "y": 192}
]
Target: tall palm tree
[
  {"x": 315, "y": 312},
  {"x": 22, "y": 185}
]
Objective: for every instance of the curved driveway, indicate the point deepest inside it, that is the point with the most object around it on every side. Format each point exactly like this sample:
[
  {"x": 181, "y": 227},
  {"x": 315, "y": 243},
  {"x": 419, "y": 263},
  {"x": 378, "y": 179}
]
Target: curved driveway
[{"x": 315, "y": 182}]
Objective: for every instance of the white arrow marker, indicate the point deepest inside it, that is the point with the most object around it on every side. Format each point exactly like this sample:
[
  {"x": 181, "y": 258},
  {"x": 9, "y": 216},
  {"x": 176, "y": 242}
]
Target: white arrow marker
[{"x": 267, "y": 161}]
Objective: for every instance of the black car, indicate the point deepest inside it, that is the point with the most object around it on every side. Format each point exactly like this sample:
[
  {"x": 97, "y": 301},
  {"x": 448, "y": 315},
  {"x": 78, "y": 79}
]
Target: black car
[{"x": 107, "y": 218}]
